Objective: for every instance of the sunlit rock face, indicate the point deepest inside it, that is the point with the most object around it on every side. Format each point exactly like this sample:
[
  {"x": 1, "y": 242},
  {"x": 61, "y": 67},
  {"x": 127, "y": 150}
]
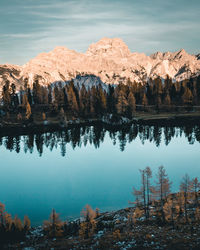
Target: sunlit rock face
[{"x": 109, "y": 59}]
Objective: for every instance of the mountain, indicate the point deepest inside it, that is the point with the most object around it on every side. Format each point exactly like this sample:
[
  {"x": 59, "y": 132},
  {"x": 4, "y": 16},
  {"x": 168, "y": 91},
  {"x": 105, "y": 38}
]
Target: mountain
[{"x": 109, "y": 59}]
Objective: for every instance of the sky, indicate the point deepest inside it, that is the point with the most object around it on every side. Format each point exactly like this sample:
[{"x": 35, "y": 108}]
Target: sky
[{"x": 30, "y": 27}]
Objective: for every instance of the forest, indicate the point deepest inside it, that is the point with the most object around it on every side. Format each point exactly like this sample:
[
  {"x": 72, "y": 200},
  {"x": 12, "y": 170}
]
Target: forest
[{"x": 69, "y": 101}]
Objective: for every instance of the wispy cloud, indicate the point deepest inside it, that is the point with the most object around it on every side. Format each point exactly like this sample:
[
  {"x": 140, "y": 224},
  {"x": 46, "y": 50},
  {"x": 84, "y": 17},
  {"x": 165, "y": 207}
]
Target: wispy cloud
[
  {"x": 33, "y": 26},
  {"x": 31, "y": 35}
]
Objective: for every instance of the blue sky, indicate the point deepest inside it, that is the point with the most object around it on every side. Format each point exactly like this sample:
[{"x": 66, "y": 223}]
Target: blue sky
[{"x": 29, "y": 27}]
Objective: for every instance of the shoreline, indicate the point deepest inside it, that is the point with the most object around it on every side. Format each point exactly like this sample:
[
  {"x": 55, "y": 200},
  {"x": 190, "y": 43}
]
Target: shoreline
[
  {"x": 160, "y": 119},
  {"x": 172, "y": 119},
  {"x": 113, "y": 234}
]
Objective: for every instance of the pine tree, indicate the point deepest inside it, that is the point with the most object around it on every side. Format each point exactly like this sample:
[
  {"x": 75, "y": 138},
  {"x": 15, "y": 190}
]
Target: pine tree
[
  {"x": 30, "y": 98},
  {"x": 2, "y": 213},
  {"x": 28, "y": 110},
  {"x": 122, "y": 103},
  {"x": 24, "y": 100},
  {"x": 198, "y": 88},
  {"x": 62, "y": 115},
  {"x": 49, "y": 94},
  {"x": 93, "y": 101},
  {"x": 173, "y": 93},
  {"x": 169, "y": 209},
  {"x": 131, "y": 104},
  {"x": 197, "y": 214},
  {"x": 195, "y": 98},
  {"x": 56, "y": 95},
  {"x": 162, "y": 188},
  {"x": 185, "y": 188},
  {"x": 18, "y": 223},
  {"x": 6, "y": 94},
  {"x": 59, "y": 95},
  {"x": 167, "y": 84},
  {"x": 27, "y": 223},
  {"x": 45, "y": 98},
  {"x": 88, "y": 226},
  {"x": 167, "y": 99},
  {"x": 149, "y": 93},
  {"x": 14, "y": 97},
  {"x": 37, "y": 93},
  {"x": 187, "y": 96},
  {"x": 180, "y": 205},
  {"x": 54, "y": 226},
  {"x": 13, "y": 89},
  {"x": 101, "y": 101},
  {"x": 158, "y": 87},
  {"x": 110, "y": 99},
  {"x": 148, "y": 173},
  {"x": 83, "y": 101},
  {"x": 72, "y": 101},
  {"x": 158, "y": 101},
  {"x": 144, "y": 100},
  {"x": 195, "y": 186},
  {"x": 143, "y": 194}
]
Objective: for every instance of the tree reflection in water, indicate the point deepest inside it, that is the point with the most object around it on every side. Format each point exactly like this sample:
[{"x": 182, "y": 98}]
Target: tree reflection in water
[{"x": 82, "y": 135}]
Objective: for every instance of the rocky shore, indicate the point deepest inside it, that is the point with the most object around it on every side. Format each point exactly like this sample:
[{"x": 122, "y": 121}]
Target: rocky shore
[{"x": 115, "y": 232}]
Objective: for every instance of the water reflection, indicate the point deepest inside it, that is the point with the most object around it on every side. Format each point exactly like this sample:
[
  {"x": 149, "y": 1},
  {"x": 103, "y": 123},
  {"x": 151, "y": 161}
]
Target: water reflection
[{"x": 94, "y": 135}]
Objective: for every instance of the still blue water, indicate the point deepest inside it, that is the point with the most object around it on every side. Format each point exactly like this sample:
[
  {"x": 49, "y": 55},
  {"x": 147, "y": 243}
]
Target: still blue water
[{"x": 102, "y": 176}]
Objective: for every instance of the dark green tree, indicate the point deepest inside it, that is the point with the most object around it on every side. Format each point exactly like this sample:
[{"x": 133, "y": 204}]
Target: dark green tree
[
  {"x": 187, "y": 97},
  {"x": 131, "y": 105},
  {"x": 6, "y": 94},
  {"x": 37, "y": 92},
  {"x": 122, "y": 103}
]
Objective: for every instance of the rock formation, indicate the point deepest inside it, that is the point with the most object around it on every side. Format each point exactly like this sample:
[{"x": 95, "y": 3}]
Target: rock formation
[{"x": 109, "y": 59}]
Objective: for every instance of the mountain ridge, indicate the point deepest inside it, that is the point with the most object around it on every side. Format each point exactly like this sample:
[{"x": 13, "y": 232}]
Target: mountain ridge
[{"x": 109, "y": 59}]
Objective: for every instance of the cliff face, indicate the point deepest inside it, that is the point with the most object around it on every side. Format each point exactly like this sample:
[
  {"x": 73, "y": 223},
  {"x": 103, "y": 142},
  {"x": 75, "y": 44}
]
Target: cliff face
[{"x": 109, "y": 59}]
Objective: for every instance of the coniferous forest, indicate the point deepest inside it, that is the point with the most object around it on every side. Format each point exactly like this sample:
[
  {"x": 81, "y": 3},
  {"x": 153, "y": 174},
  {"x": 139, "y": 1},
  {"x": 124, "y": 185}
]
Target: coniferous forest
[{"x": 67, "y": 101}]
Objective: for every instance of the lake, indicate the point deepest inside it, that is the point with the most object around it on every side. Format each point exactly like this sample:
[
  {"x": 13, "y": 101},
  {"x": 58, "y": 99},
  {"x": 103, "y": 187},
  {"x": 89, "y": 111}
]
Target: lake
[{"x": 92, "y": 165}]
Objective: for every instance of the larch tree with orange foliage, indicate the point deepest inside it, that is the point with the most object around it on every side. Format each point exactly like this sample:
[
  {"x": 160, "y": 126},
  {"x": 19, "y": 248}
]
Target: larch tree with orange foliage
[
  {"x": 163, "y": 186},
  {"x": 54, "y": 226},
  {"x": 88, "y": 225},
  {"x": 185, "y": 188}
]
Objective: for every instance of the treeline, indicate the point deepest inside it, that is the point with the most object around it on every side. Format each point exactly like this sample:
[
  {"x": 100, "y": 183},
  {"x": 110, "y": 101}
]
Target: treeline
[
  {"x": 156, "y": 202},
  {"x": 79, "y": 136},
  {"x": 12, "y": 229},
  {"x": 82, "y": 101}
]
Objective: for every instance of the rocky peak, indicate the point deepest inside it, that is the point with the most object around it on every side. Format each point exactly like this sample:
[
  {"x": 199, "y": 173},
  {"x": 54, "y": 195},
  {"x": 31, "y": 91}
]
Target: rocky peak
[
  {"x": 198, "y": 56},
  {"x": 61, "y": 50},
  {"x": 110, "y": 59},
  {"x": 181, "y": 54},
  {"x": 162, "y": 56},
  {"x": 157, "y": 55},
  {"x": 109, "y": 46}
]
